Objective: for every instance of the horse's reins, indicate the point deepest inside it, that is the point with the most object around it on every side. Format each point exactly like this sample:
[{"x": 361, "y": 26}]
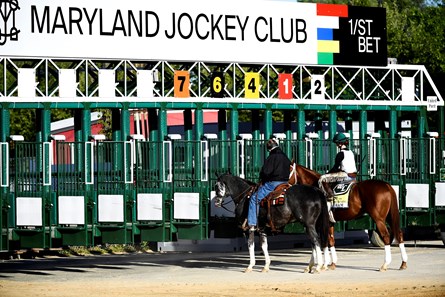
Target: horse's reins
[
  {"x": 249, "y": 190},
  {"x": 294, "y": 172}
]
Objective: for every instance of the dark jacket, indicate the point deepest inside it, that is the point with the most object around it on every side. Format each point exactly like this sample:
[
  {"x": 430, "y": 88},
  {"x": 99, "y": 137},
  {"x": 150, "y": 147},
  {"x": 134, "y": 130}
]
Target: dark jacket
[{"x": 276, "y": 167}]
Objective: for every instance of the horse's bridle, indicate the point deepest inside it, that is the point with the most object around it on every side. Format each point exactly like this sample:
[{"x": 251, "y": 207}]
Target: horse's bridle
[{"x": 245, "y": 193}]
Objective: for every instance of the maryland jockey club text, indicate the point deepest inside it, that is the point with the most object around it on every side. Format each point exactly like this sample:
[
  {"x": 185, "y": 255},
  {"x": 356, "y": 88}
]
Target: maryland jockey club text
[{"x": 148, "y": 24}]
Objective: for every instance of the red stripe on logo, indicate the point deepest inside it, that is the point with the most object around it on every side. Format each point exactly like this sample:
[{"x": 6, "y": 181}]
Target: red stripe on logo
[{"x": 332, "y": 10}]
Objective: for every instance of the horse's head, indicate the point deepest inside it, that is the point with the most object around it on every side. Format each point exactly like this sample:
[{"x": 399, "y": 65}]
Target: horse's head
[
  {"x": 228, "y": 185},
  {"x": 220, "y": 191}
]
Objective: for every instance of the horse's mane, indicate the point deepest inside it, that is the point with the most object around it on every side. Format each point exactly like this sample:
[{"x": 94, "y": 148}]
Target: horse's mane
[
  {"x": 308, "y": 176},
  {"x": 312, "y": 172},
  {"x": 250, "y": 183}
]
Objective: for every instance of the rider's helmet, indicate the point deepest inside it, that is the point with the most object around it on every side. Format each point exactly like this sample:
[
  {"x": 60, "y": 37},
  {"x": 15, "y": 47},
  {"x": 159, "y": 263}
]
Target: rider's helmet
[
  {"x": 271, "y": 144},
  {"x": 340, "y": 138}
]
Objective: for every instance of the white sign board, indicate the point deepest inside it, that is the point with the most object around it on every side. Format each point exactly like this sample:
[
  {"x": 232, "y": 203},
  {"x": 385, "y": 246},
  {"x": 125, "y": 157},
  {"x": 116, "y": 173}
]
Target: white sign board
[{"x": 248, "y": 31}]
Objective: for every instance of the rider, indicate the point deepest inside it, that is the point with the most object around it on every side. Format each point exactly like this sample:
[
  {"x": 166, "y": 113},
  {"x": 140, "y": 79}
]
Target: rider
[
  {"x": 275, "y": 171},
  {"x": 344, "y": 169}
]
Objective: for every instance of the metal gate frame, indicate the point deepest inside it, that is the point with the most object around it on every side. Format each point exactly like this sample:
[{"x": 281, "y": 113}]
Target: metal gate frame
[
  {"x": 114, "y": 211},
  {"x": 32, "y": 203},
  {"x": 73, "y": 178}
]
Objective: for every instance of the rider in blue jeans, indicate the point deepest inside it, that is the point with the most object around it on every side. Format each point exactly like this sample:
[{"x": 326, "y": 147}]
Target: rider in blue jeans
[{"x": 275, "y": 171}]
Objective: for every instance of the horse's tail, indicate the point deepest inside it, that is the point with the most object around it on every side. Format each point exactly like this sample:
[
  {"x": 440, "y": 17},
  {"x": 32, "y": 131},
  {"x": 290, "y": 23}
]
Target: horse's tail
[
  {"x": 394, "y": 215},
  {"x": 322, "y": 224}
]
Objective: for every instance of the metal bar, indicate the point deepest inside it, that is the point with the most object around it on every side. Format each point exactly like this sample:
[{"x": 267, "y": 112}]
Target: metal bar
[
  {"x": 403, "y": 155},
  {"x": 46, "y": 163},
  {"x": 167, "y": 157},
  {"x": 4, "y": 171}
]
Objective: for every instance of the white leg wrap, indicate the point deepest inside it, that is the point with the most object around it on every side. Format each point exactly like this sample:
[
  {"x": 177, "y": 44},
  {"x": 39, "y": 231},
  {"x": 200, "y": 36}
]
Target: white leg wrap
[
  {"x": 251, "y": 246},
  {"x": 319, "y": 258},
  {"x": 403, "y": 252},
  {"x": 264, "y": 247},
  {"x": 388, "y": 258},
  {"x": 327, "y": 257},
  {"x": 334, "y": 255}
]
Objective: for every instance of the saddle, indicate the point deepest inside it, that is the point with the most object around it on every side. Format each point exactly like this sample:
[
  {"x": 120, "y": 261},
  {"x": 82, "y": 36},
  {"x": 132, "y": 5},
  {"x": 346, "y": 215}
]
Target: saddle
[
  {"x": 341, "y": 193},
  {"x": 275, "y": 198}
]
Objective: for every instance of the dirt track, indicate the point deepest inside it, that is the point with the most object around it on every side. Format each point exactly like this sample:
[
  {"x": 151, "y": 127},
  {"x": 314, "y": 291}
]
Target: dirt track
[{"x": 221, "y": 274}]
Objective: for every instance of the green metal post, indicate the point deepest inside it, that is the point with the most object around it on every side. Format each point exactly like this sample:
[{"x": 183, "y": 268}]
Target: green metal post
[
  {"x": 233, "y": 135},
  {"x": 129, "y": 195},
  {"x": 188, "y": 133},
  {"x": 162, "y": 122},
  {"x": 363, "y": 129},
  {"x": 86, "y": 123},
  {"x": 4, "y": 193},
  {"x": 288, "y": 131},
  {"x": 199, "y": 122},
  {"x": 222, "y": 135},
  {"x": 256, "y": 137},
  {"x": 393, "y": 145},
  {"x": 268, "y": 122},
  {"x": 301, "y": 133},
  {"x": 45, "y": 130},
  {"x": 421, "y": 131},
  {"x": 332, "y": 132},
  {"x": 125, "y": 122}
]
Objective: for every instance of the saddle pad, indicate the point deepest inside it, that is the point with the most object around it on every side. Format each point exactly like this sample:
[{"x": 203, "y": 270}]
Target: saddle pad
[
  {"x": 274, "y": 201},
  {"x": 341, "y": 195}
]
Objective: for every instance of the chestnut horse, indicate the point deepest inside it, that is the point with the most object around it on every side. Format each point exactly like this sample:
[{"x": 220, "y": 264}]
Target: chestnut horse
[{"x": 374, "y": 197}]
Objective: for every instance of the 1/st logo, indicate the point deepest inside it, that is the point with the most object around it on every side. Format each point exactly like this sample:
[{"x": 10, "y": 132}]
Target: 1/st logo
[{"x": 7, "y": 20}]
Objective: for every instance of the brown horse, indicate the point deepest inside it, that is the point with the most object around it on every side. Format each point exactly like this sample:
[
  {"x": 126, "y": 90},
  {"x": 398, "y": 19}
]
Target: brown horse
[{"x": 374, "y": 197}]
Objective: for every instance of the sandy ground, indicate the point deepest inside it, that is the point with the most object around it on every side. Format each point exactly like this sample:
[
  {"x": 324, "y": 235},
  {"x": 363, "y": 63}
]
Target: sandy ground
[{"x": 221, "y": 274}]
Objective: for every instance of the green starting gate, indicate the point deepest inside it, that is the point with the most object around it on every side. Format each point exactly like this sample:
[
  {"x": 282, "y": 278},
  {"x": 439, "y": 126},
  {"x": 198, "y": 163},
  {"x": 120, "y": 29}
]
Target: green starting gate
[
  {"x": 153, "y": 221},
  {"x": 73, "y": 180},
  {"x": 32, "y": 205}
]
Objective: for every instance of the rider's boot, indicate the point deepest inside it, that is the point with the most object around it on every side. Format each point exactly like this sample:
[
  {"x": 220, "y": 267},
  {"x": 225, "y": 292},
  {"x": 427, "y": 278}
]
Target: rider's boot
[{"x": 330, "y": 199}]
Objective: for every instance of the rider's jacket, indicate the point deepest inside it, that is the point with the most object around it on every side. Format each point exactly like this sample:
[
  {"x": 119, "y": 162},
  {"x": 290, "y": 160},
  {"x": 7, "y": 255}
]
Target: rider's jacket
[{"x": 276, "y": 167}]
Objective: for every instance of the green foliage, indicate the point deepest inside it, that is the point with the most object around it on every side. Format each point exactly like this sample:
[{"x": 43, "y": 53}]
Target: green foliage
[{"x": 23, "y": 122}]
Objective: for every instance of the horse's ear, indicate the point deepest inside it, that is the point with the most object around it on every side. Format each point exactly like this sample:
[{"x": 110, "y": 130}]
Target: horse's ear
[
  {"x": 216, "y": 173},
  {"x": 292, "y": 161}
]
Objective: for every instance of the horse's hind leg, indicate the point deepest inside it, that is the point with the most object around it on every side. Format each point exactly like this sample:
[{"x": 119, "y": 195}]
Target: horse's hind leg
[
  {"x": 384, "y": 234},
  {"x": 264, "y": 247},
  {"x": 317, "y": 256},
  {"x": 251, "y": 247}
]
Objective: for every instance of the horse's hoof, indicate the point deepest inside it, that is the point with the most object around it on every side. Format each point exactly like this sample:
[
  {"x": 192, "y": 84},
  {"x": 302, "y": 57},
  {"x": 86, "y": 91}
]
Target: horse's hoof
[
  {"x": 248, "y": 269},
  {"x": 384, "y": 268},
  {"x": 265, "y": 269},
  {"x": 307, "y": 270},
  {"x": 332, "y": 266},
  {"x": 324, "y": 268},
  {"x": 403, "y": 266}
]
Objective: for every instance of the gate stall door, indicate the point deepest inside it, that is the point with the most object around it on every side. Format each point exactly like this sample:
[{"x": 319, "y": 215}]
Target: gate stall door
[
  {"x": 153, "y": 181},
  {"x": 75, "y": 177},
  {"x": 439, "y": 201},
  {"x": 115, "y": 177},
  {"x": 418, "y": 169},
  {"x": 190, "y": 188},
  {"x": 220, "y": 153},
  {"x": 32, "y": 204}
]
